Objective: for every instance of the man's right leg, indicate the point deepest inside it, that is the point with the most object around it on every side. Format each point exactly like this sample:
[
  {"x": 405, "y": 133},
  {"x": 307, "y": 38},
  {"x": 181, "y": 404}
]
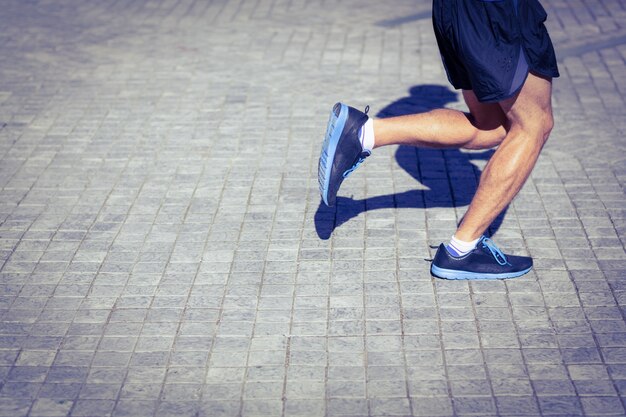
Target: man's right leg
[
  {"x": 483, "y": 128},
  {"x": 350, "y": 136}
]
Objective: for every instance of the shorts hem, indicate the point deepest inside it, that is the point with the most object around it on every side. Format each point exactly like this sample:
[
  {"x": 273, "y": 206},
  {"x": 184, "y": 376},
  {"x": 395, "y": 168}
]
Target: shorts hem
[{"x": 504, "y": 96}]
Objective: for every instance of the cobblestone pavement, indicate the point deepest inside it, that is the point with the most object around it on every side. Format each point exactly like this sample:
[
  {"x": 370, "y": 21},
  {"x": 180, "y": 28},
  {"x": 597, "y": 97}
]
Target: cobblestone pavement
[{"x": 163, "y": 251}]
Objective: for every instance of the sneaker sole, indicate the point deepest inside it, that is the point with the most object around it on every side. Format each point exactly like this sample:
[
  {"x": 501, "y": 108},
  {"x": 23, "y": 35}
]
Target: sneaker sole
[
  {"x": 336, "y": 123},
  {"x": 463, "y": 275}
]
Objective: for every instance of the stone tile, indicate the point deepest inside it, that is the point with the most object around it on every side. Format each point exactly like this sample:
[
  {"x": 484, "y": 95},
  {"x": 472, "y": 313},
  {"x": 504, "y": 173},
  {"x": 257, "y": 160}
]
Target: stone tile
[
  {"x": 15, "y": 407},
  {"x": 517, "y": 405},
  {"x": 560, "y": 405},
  {"x": 51, "y": 407}
]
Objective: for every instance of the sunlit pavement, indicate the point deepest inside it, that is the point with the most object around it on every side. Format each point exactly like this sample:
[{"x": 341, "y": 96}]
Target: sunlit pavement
[{"x": 163, "y": 250}]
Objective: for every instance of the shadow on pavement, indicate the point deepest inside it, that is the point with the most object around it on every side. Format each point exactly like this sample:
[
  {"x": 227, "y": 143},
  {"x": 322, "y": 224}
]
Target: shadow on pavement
[{"x": 449, "y": 175}]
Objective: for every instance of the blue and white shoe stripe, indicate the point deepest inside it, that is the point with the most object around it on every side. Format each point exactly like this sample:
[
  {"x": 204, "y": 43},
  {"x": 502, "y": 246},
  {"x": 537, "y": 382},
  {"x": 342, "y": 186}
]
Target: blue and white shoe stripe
[
  {"x": 465, "y": 275},
  {"x": 336, "y": 123}
]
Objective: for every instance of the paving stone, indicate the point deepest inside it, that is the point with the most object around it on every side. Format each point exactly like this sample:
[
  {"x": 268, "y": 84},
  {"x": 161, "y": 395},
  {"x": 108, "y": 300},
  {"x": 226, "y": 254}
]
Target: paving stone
[{"x": 163, "y": 250}]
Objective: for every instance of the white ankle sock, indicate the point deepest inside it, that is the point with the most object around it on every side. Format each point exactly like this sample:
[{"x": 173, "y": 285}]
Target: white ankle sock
[
  {"x": 458, "y": 247},
  {"x": 366, "y": 135}
]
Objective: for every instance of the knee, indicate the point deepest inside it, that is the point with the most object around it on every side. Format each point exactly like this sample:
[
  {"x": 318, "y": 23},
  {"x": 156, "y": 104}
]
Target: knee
[
  {"x": 548, "y": 126},
  {"x": 543, "y": 127},
  {"x": 536, "y": 127}
]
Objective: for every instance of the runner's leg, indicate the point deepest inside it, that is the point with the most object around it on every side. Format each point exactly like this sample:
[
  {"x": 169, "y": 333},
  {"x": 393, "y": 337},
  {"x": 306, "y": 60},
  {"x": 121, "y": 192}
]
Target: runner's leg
[
  {"x": 529, "y": 115},
  {"x": 482, "y": 128}
]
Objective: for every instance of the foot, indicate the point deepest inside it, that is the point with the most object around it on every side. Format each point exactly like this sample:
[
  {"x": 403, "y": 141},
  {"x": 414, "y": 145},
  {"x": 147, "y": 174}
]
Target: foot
[
  {"x": 342, "y": 151},
  {"x": 484, "y": 262}
]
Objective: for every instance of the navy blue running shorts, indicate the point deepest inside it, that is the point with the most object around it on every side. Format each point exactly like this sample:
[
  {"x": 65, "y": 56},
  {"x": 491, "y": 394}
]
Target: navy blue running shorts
[{"x": 490, "y": 46}]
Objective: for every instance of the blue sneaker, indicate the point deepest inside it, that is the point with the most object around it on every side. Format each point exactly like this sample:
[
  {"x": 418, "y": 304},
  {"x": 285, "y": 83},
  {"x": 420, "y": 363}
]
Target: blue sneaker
[
  {"x": 484, "y": 262},
  {"x": 342, "y": 151}
]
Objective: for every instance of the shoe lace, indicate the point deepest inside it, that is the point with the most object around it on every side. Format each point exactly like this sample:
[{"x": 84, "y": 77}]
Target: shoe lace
[
  {"x": 495, "y": 251},
  {"x": 362, "y": 157}
]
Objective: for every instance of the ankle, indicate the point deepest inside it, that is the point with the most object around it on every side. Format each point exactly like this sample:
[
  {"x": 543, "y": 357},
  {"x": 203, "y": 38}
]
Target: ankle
[
  {"x": 367, "y": 138},
  {"x": 467, "y": 236},
  {"x": 458, "y": 247}
]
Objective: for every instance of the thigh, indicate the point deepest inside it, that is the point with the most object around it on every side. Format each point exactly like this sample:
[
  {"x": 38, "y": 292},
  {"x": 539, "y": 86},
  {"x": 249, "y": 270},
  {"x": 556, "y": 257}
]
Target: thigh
[{"x": 531, "y": 108}]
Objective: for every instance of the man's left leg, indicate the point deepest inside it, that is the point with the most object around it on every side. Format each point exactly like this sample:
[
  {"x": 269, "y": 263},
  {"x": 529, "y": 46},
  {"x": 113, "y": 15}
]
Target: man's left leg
[{"x": 529, "y": 120}]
